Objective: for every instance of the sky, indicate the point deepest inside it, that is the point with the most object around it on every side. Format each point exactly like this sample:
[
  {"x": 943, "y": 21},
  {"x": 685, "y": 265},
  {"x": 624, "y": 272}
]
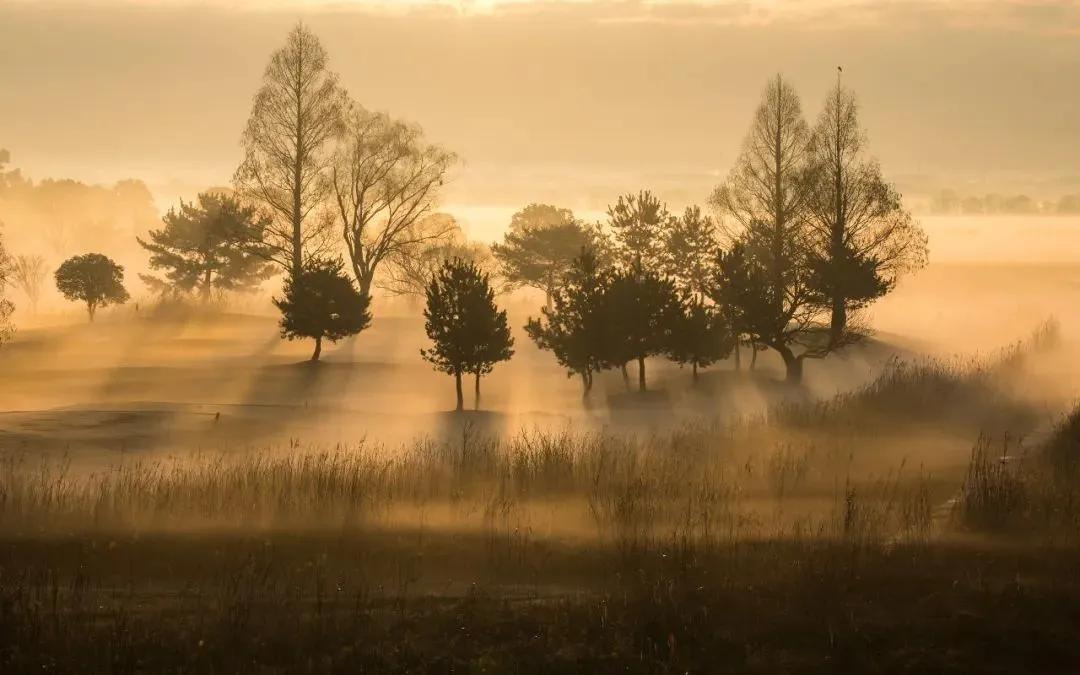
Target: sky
[{"x": 572, "y": 102}]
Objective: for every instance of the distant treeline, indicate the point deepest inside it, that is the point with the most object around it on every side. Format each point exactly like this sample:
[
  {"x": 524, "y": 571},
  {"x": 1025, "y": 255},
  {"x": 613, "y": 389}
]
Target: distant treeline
[{"x": 950, "y": 202}]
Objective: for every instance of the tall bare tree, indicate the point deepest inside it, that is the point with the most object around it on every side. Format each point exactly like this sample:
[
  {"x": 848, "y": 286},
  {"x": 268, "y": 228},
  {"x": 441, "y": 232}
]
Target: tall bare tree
[
  {"x": 294, "y": 117},
  {"x": 863, "y": 238},
  {"x": 385, "y": 178},
  {"x": 766, "y": 200},
  {"x": 28, "y": 273}
]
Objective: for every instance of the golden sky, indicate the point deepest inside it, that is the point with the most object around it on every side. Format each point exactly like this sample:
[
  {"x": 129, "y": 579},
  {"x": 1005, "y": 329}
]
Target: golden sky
[{"x": 569, "y": 100}]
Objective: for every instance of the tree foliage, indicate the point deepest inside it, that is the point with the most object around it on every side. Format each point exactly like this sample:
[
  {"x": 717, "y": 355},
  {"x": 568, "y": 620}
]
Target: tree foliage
[
  {"x": 295, "y": 115},
  {"x": 94, "y": 279},
  {"x": 208, "y": 245},
  {"x": 385, "y": 180},
  {"x": 862, "y": 238},
  {"x": 540, "y": 246},
  {"x": 640, "y": 307},
  {"x": 322, "y": 303},
  {"x": 469, "y": 333},
  {"x": 639, "y": 225},
  {"x": 690, "y": 249},
  {"x": 700, "y": 335},
  {"x": 573, "y": 329}
]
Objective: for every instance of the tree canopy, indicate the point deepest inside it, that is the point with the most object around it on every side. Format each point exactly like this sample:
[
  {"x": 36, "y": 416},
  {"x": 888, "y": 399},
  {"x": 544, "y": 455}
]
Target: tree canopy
[
  {"x": 94, "y": 279},
  {"x": 322, "y": 303},
  {"x": 469, "y": 333},
  {"x": 208, "y": 246}
]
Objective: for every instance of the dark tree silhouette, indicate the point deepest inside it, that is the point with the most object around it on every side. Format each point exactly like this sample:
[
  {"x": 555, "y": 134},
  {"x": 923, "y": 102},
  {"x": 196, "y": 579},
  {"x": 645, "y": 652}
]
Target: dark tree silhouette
[
  {"x": 640, "y": 308},
  {"x": 295, "y": 115},
  {"x": 740, "y": 290},
  {"x": 573, "y": 329},
  {"x": 386, "y": 179},
  {"x": 322, "y": 303},
  {"x": 862, "y": 237},
  {"x": 208, "y": 246},
  {"x": 469, "y": 333},
  {"x": 767, "y": 195},
  {"x": 700, "y": 336},
  {"x": 94, "y": 279},
  {"x": 540, "y": 246},
  {"x": 639, "y": 225},
  {"x": 690, "y": 250}
]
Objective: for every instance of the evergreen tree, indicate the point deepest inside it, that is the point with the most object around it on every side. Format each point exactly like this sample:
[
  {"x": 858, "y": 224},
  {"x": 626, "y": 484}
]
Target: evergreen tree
[
  {"x": 862, "y": 237},
  {"x": 639, "y": 225},
  {"x": 540, "y": 246},
  {"x": 690, "y": 250},
  {"x": 322, "y": 303},
  {"x": 469, "y": 333},
  {"x": 700, "y": 336},
  {"x": 573, "y": 329},
  {"x": 94, "y": 279},
  {"x": 209, "y": 245},
  {"x": 639, "y": 308}
]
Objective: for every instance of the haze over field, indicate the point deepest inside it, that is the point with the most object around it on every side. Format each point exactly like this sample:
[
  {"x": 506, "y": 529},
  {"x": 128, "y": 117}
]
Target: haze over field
[{"x": 514, "y": 336}]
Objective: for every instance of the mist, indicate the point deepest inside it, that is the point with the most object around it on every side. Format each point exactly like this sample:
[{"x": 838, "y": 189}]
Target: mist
[{"x": 511, "y": 336}]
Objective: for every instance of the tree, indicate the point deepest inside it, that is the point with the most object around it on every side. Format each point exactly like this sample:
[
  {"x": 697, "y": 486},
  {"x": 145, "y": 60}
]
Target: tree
[
  {"x": 639, "y": 225},
  {"x": 540, "y": 246},
  {"x": 469, "y": 333},
  {"x": 862, "y": 237},
  {"x": 7, "y": 270},
  {"x": 207, "y": 246},
  {"x": 322, "y": 303},
  {"x": 700, "y": 335},
  {"x": 295, "y": 115},
  {"x": 385, "y": 179},
  {"x": 640, "y": 307},
  {"x": 29, "y": 272},
  {"x": 410, "y": 268},
  {"x": 740, "y": 290},
  {"x": 94, "y": 279},
  {"x": 766, "y": 199},
  {"x": 574, "y": 327},
  {"x": 690, "y": 250}
]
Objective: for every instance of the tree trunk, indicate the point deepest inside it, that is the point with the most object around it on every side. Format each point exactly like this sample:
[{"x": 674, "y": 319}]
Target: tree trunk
[
  {"x": 753, "y": 356},
  {"x": 318, "y": 349},
  {"x": 793, "y": 364},
  {"x": 90, "y": 309},
  {"x": 625, "y": 377},
  {"x": 641, "y": 373},
  {"x": 476, "y": 393},
  {"x": 839, "y": 320},
  {"x": 586, "y": 382},
  {"x": 460, "y": 396},
  {"x": 693, "y": 367},
  {"x": 206, "y": 287},
  {"x": 738, "y": 355}
]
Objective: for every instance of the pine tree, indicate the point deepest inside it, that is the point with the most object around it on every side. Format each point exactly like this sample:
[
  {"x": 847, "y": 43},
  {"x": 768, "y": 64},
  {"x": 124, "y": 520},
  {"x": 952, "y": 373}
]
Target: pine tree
[
  {"x": 700, "y": 336},
  {"x": 690, "y": 250},
  {"x": 640, "y": 308},
  {"x": 212, "y": 245},
  {"x": 469, "y": 333},
  {"x": 322, "y": 303},
  {"x": 573, "y": 329},
  {"x": 639, "y": 225}
]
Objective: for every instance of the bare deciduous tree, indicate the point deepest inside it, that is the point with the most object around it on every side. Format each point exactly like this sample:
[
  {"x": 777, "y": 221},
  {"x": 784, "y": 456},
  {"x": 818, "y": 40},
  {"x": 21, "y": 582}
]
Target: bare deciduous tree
[
  {"x": 28, "y": 273},
  {"x": 410, "y": 269},
  {"x": 294, "y": 117},
  {"x": 386, "y": 178},
  {"x": 863, "y": 238},
  {"x": 766, "y": 197}
]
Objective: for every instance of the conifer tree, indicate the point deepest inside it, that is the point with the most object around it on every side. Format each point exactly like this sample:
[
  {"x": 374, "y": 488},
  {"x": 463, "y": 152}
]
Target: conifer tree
[
  {"x": 469, "y": 333},
  {"x": 573, "y": 329},
  {"x": 322, "y": 303}
]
